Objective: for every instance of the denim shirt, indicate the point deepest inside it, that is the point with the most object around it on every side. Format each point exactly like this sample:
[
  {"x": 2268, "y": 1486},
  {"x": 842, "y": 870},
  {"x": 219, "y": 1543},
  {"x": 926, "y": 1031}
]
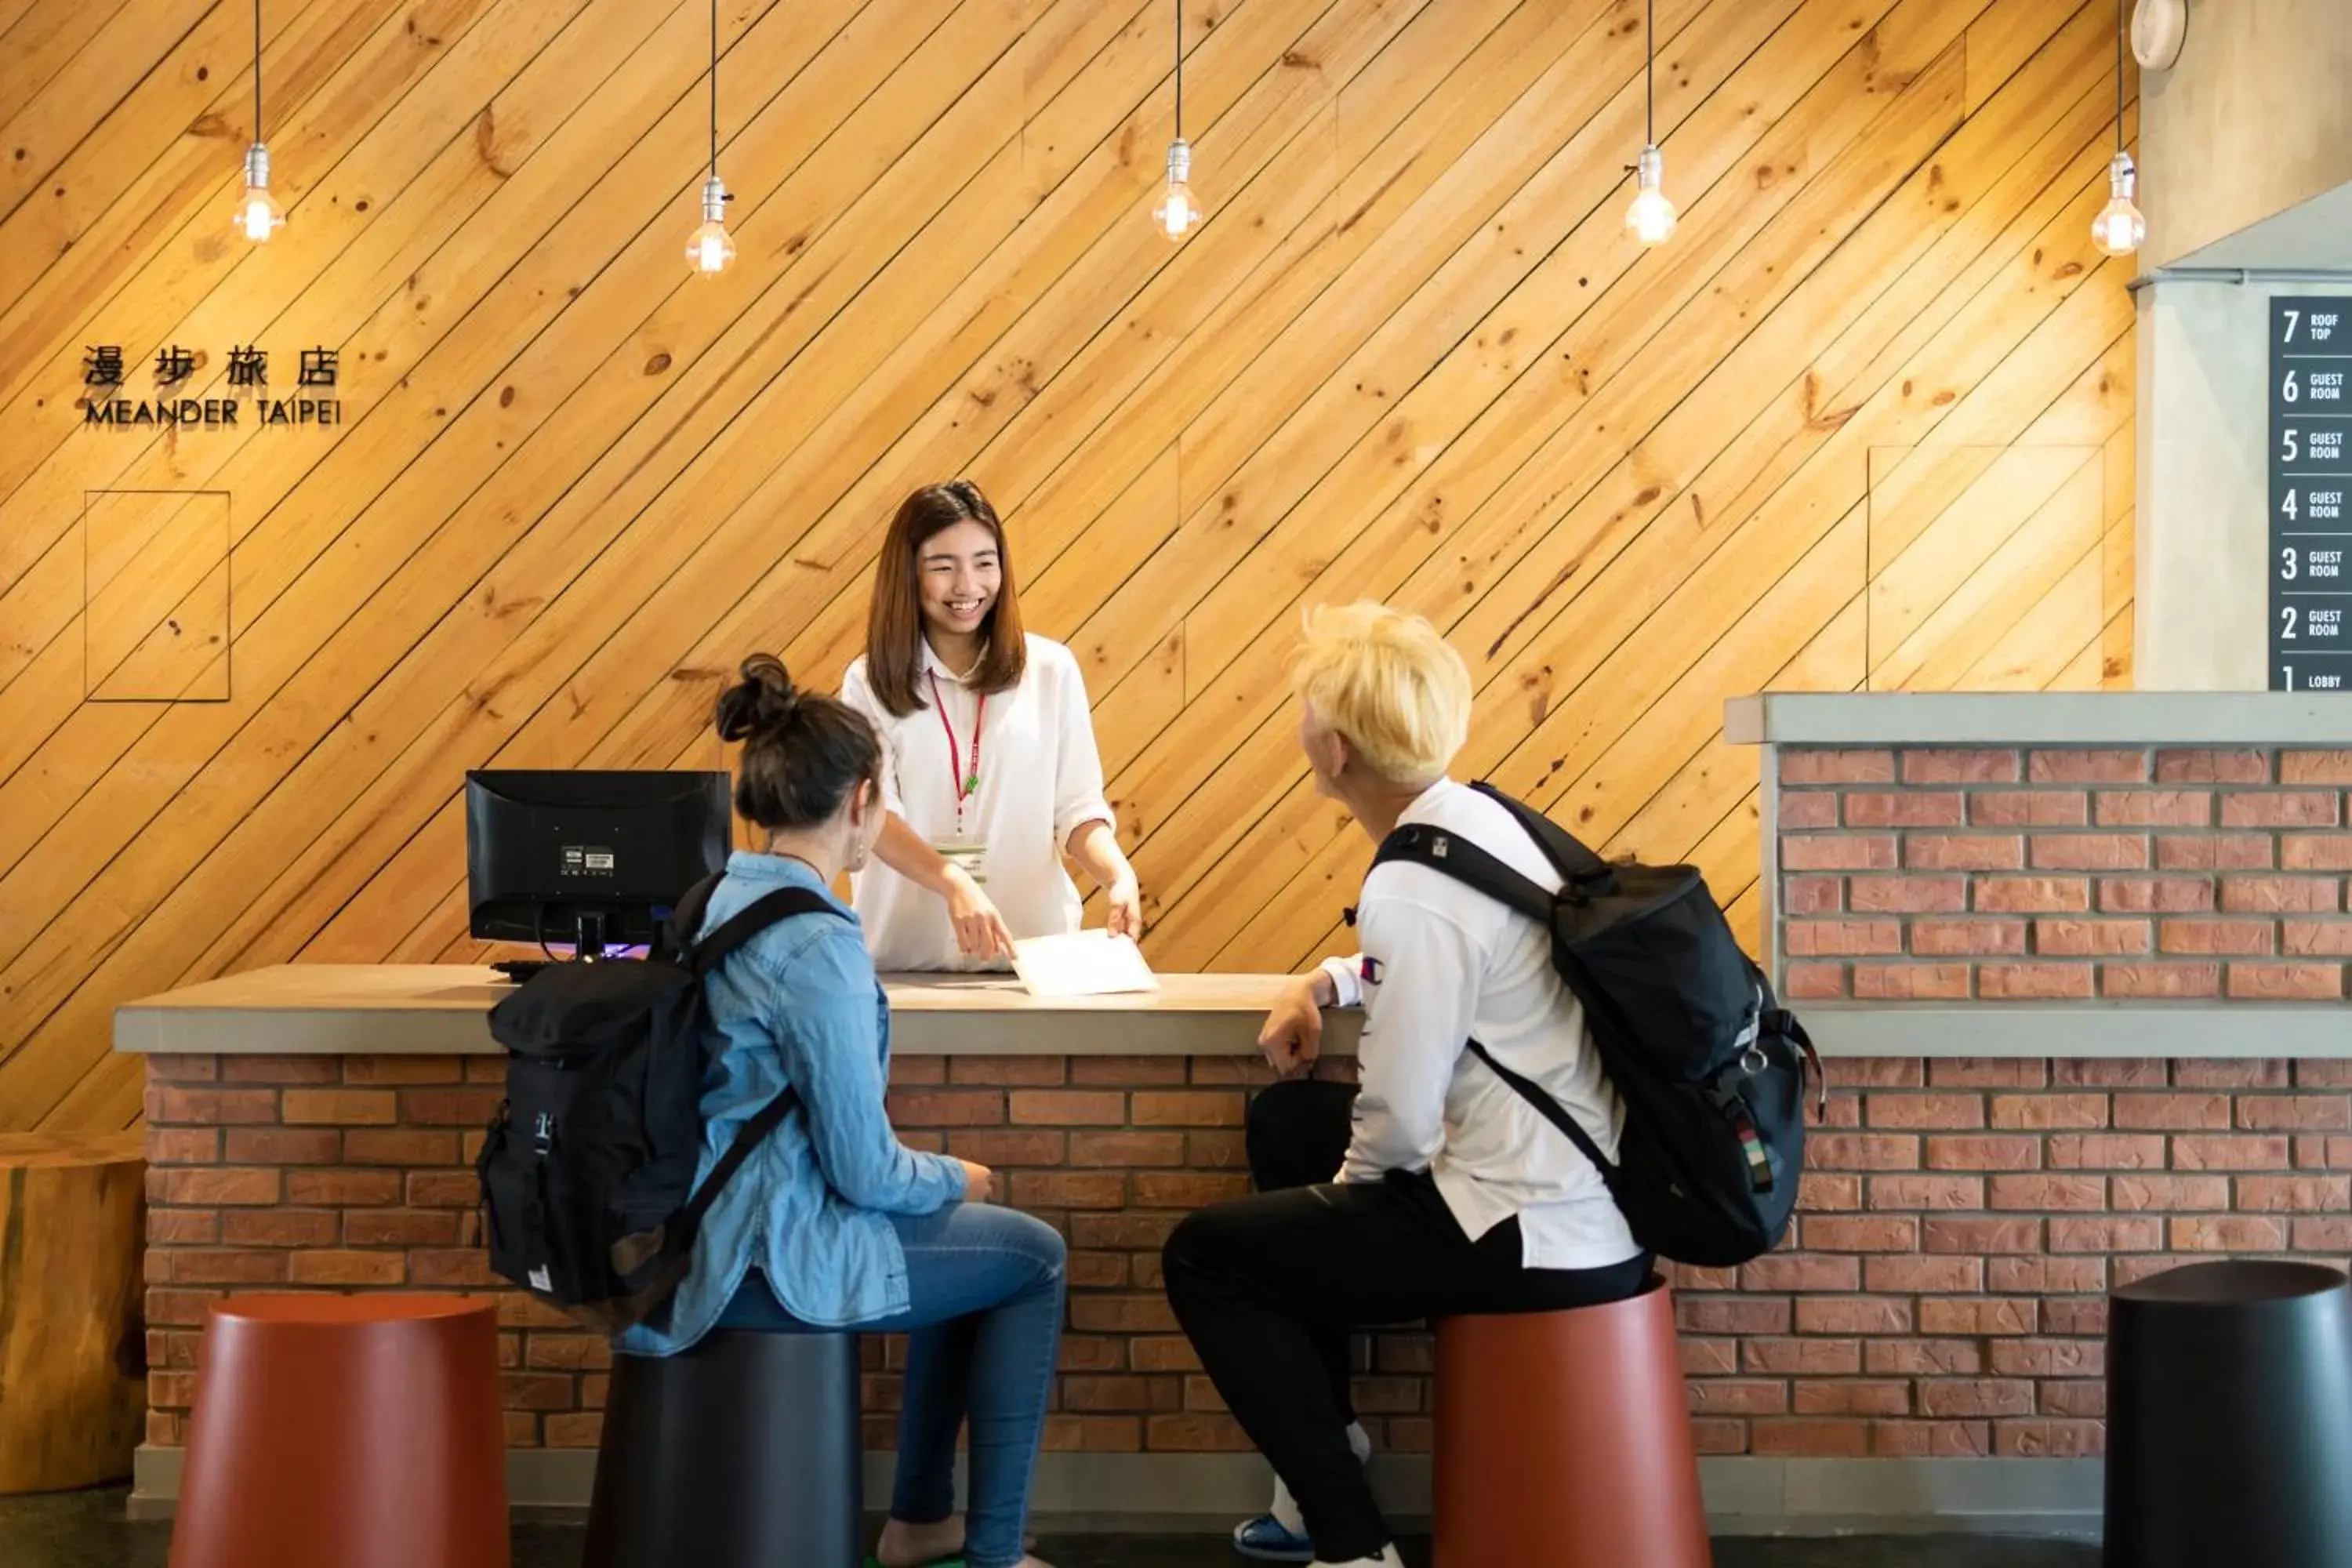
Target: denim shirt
[{"x": 798, "y": 1004}]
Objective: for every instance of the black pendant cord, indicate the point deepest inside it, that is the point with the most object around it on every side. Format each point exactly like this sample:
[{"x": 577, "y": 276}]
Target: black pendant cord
[
  {"x": 1650, "y": 75},
  {"x": 256, "y": 70},
  {"x": 714, "y": 89},
  {"x": 1179, "y": 70},
  {"x": 2119, "y": 75}
]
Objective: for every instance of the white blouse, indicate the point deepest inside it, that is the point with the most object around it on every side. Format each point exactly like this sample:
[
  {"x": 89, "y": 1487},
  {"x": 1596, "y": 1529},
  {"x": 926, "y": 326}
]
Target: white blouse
[{"x": 1040, "y": 780}]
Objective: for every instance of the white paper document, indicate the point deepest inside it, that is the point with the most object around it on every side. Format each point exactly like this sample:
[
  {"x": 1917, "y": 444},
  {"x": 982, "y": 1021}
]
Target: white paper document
[{"x": 1083, "y": 964}]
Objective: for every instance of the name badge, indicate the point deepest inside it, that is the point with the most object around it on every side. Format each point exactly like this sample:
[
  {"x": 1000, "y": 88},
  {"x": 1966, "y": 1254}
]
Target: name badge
[{"x": 970, "y": 854}]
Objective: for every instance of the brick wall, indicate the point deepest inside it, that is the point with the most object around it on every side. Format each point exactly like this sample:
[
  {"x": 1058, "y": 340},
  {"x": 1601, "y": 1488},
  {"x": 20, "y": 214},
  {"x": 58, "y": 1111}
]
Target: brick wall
[
  {"x": 2007, "y": 875},
  {"x": 271, "y": 1172},
  {"x": 1942, "y": 1292},
  {"x": 336, "y": 1172}
]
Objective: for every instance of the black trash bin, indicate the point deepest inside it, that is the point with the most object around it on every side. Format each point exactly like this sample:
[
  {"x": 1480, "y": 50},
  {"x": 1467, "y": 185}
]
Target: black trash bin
[
  {"x": 2230, "y": 1418},
  {"x": 743, "y": 1452}
]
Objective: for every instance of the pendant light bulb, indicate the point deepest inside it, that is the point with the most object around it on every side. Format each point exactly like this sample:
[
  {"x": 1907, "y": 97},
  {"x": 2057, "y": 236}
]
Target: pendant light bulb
[
  {"x": 1650, "y": 216},
  {"x": 258, "y": 216},
  {"x": 711, "y": 248},
  {"x": 1178, "y": 213},
  {"x": 2121, "y": 228}
]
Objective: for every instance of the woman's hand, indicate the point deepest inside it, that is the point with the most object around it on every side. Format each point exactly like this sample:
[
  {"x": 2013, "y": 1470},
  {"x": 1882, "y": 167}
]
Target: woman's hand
[
  {"x": 1123, "y": 904},
  {"x": 980, "y": 930},
  {"x": 1095, "y": 847},
  {"x": 977, "y": 1181},
  {"x": 1293, "y": 1035}
]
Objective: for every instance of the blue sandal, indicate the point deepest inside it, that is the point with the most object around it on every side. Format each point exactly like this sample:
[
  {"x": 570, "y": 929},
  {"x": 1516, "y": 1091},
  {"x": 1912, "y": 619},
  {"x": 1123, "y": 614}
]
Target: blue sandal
[{"x": 1267, "y": 1540}]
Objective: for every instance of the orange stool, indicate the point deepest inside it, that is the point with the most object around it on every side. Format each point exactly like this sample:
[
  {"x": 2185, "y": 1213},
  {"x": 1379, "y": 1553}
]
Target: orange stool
[
  {"x": 1564, "y": 1439},
  {"x": 345, "y": 1432}
]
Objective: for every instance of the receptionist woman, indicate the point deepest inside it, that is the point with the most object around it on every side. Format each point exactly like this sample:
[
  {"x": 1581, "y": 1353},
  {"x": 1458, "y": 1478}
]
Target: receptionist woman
[{"x": 991, "y": 774}]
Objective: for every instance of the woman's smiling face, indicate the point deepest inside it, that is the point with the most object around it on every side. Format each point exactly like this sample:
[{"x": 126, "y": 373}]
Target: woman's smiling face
[{"x": 961, "y": 573}]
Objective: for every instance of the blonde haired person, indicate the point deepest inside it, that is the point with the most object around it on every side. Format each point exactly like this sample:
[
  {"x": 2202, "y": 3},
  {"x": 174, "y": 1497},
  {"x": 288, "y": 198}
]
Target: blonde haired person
[{"x": 1452, "y": 1194}]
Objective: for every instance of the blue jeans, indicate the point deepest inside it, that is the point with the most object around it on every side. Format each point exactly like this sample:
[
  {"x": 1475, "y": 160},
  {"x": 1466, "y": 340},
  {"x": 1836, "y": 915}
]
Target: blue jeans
[{"x": 984, "y": 1328}]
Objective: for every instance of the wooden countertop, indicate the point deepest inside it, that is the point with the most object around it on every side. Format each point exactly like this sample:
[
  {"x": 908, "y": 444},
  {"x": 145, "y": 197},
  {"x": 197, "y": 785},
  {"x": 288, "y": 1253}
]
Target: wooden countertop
[{"x": 421, "y": 1008}]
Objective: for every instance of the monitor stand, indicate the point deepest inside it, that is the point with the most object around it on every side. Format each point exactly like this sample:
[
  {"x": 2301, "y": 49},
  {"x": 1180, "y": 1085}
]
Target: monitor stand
[{"x": 589, "y": 947}]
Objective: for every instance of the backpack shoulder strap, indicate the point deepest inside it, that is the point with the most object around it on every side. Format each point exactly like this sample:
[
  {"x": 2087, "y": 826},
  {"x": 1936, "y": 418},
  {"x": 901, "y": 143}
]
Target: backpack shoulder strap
[
  {"x": 1569, "y": 854},
  {"x": 704, "y": 956},
  {"x": 1526, "y": 1088},
  {"x": 677, "y": 928},
  {"x": 752, "y": 1133},
  {"x": 1454, "y": 856}
]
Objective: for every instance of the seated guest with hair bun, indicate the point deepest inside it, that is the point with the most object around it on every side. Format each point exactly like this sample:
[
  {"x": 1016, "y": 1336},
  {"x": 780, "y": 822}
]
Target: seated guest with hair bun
[{"x": 833, "y": 1223}]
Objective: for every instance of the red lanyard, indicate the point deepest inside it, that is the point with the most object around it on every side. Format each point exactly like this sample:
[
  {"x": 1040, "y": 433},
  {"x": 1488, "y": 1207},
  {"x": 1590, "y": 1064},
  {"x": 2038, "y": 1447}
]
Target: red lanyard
[{"x": 967, "y": 781}]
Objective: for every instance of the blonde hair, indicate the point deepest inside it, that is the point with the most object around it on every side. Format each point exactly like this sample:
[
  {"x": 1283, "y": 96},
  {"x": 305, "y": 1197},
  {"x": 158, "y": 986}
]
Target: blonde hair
[{"x": 1388, "y": 683}]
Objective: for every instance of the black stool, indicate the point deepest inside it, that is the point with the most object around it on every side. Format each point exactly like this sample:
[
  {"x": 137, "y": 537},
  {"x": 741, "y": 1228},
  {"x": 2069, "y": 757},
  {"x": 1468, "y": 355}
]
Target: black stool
[
  {"x": 743, "y": 1452},
  {"x": 2230, "y": 1418}
]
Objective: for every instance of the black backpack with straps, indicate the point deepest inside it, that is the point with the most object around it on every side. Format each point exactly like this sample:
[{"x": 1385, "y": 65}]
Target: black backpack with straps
[
  {"x": 1708, "y": 1064},
  {"x": 588, "y": 1192}
]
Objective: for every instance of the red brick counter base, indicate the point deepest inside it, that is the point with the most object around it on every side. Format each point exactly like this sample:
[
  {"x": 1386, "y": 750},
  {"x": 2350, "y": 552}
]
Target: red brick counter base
[
  {"x": 2014, "y": 875},
  {"x": 1943, "y": 1294}
]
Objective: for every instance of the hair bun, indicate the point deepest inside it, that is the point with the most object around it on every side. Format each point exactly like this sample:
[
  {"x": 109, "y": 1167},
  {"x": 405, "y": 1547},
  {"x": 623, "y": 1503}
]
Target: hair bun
[{"x": 765, "y": 700}]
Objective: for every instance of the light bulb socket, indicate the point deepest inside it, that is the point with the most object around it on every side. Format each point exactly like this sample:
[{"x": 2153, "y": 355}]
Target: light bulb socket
[
  {"x": 256, "y": 168},
  {"x": 1650, "y": 173},
  {"x": 1179, "y": 161},
  {"x": 2123, "y": 176},
  {"x": 714, "y": 200}
]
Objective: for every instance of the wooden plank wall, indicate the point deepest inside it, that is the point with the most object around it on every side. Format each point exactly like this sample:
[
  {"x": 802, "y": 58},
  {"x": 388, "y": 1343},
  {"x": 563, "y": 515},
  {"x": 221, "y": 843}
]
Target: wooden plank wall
[{"x": 1865, "y": 421}]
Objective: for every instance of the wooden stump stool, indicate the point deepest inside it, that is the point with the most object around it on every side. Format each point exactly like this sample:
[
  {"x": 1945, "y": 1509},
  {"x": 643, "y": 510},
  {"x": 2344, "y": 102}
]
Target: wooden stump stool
[{"x": 72, "y": 1396}]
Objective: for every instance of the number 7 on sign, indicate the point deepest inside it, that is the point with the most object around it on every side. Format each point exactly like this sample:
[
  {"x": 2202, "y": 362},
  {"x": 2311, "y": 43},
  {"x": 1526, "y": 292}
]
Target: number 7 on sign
[{"x": 2291, "y": 318}]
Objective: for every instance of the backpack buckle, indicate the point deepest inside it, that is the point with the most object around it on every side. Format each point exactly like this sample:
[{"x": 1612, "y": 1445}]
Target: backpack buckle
[{"x": 1752, "y": 1058}]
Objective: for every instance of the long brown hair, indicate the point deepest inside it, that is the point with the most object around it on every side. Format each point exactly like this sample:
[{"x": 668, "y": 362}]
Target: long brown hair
[{"x": 894, "y": 627}]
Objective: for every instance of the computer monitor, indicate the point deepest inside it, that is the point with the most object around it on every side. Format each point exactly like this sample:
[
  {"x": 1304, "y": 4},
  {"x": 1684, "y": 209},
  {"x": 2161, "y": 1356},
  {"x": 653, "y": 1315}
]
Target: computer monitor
[{"x": 590, "y": 859}]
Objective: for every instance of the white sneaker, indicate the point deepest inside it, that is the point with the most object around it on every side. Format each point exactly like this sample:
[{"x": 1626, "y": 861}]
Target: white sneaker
[{"x": 1387, "y": 1559}]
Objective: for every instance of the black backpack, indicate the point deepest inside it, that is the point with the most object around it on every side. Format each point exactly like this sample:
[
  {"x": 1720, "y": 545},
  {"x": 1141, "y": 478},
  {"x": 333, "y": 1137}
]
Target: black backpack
[
  {"x": 1709, "y": 1066},
  {"x": 587, "y": 1177}
]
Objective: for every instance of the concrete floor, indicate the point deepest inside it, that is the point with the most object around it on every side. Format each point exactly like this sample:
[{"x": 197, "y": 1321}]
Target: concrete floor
[{"x": 87, "y": 1529}]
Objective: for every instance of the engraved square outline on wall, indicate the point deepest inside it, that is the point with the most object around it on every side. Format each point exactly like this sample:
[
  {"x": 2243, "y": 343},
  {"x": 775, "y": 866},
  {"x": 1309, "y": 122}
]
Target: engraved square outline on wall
[{"x": 229, "y": 594}]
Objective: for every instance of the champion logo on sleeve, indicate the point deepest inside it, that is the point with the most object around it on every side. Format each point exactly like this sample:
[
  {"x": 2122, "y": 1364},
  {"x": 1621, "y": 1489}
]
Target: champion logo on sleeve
[{"x": 1369, "y": 970}]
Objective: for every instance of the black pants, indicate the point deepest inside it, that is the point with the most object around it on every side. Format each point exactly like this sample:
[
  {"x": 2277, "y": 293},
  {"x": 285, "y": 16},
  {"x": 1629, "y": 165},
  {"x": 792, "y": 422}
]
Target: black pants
[{"x": 1268, "y": 1288}]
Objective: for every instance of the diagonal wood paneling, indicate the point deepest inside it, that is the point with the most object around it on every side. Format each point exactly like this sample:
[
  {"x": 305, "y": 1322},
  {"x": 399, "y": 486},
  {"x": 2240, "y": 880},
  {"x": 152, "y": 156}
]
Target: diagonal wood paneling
[{"x": 1866, "y": 421}]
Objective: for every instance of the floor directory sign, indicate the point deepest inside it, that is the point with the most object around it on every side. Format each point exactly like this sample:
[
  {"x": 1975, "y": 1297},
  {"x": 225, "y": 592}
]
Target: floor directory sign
[{"x": 2310, "y": 473}]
